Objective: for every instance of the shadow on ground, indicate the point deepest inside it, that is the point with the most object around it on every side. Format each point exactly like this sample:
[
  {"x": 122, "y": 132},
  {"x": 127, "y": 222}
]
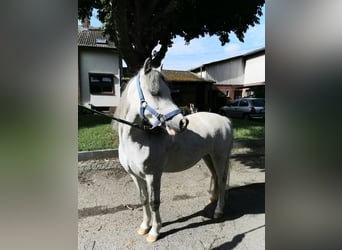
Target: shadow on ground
[
  {"x": 103, "y": 210},
  {"x": 248, "y": 199},
  {"x": 236, "y": 240},
  {"x": 251, "y": 161}
]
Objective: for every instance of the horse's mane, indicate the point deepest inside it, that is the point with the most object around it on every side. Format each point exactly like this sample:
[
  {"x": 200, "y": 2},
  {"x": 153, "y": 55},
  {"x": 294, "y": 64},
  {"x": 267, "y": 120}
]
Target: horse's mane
[{"x": 120, "y": 110}]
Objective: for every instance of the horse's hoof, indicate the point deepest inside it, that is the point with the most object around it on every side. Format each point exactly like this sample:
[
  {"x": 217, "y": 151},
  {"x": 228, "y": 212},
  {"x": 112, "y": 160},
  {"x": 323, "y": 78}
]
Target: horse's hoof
[
  {"x": 212, "y": 200},
  {"x": 143, "y": 231},
  {"x": 218, "y": 215},
  {"x": 151, "y": 238}
]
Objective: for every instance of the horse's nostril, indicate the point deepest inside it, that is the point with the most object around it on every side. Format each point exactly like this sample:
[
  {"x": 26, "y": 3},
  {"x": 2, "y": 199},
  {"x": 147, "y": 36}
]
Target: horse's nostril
[{"x": 183, "y": 123}]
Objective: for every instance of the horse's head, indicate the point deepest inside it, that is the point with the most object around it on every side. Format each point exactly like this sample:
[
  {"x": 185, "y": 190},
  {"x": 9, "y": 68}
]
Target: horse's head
[{"x": 156, "y": 105}]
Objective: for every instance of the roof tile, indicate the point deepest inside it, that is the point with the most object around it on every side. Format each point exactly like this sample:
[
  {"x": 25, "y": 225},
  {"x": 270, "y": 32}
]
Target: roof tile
[
  {"x": 182, "y": 76},
  {"x": 88, "y": 37}
]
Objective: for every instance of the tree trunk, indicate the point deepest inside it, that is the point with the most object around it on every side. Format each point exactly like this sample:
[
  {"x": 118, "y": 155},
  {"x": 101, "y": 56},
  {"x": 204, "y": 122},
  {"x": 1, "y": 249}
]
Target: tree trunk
[{"x": 134, "y": 36}]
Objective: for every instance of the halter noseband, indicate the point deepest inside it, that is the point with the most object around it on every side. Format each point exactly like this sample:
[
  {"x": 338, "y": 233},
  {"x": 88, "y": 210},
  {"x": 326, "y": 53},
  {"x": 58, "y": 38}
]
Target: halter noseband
[{"x": 144, "y": 106}]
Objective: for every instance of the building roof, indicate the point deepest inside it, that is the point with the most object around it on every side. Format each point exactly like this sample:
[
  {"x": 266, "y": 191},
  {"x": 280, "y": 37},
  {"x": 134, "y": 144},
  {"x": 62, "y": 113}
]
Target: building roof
[
  {"x": 246, "y": 55},
  {"x": 94, "y": 38},
  {"x": 183, "y": 76}
]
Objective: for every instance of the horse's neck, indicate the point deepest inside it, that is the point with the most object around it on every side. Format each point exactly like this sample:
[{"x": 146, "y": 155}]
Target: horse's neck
[{"x": 123, "y": 111}]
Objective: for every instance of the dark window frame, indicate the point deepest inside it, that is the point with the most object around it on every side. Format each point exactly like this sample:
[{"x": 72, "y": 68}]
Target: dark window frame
[
  {"x": 98, "y": 85},
  {"x": 243, "y": 103}
]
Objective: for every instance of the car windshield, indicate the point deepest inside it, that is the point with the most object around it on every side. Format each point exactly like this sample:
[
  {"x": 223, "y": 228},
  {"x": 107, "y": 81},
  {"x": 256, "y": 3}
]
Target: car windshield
[{"x": 258, "y": 102}]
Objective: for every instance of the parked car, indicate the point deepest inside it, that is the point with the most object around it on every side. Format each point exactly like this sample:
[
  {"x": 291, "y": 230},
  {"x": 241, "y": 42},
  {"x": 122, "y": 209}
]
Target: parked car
[{"x": 253, "y": 108}]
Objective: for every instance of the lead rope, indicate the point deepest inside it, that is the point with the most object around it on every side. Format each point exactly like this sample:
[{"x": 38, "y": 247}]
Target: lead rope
[
  {"x": 143, "y": 106},
  {"x": 116, "y": 119}
]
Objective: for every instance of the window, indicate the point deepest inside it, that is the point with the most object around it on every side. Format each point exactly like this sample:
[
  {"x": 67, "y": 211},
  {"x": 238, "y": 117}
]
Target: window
[
  {"x": 258, "y": 102},
  {"x": 243, "y": 103},
  {"x": 101, "y": 84},
  {"x": 237, "y": 93},
  {"x": 101, "y": 41},
  {"x": 235, "y": 103}
]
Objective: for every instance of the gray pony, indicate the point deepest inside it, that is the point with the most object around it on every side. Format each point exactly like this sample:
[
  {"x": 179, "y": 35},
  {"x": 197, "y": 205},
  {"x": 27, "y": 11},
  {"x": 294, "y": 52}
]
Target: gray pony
[{"x": 170, "y": 142}]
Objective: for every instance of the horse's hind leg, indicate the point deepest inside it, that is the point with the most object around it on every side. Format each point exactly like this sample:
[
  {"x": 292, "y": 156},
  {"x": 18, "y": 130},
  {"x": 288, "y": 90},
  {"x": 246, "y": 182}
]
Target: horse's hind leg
[
  {"x": 223, "y": 171},
  {"x": 146, "y": 223},
  {"x": 213, "y": 189},
  {"x": 219, "y": 167}
]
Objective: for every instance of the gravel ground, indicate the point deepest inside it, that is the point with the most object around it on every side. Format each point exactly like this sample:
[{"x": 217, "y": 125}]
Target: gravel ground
[{"x": 110, "y": 210}]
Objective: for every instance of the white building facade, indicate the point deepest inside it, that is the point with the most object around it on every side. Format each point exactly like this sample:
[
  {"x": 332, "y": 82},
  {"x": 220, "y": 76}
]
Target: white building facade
[
  {"x": 240, "y": 76},
  {"x": 99, "y": 70}
]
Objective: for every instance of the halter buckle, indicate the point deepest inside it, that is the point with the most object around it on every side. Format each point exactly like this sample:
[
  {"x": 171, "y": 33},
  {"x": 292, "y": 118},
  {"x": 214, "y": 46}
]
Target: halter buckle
[
  {"x": 143, "y": 104},
  {"x": 161, "y": 118}
]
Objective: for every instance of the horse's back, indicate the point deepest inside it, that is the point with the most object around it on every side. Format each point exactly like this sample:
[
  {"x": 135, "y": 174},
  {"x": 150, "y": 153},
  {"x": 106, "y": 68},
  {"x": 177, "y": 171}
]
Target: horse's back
[
  {"x": 206, "y": 134},
  {"x": 215, "y": 129},
  {"x": 208, "y": 120}
]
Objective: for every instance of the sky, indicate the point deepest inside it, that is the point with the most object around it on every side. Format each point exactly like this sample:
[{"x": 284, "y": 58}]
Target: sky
[{"x": 208, "y": 49}]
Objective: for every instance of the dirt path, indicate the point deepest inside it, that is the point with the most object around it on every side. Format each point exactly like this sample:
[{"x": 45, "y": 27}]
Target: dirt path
[{"x": 110, "y": 212}]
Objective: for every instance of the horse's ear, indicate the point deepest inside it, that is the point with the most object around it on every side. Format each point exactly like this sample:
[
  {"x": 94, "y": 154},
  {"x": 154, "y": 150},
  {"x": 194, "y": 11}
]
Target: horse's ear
[{"x": 147, "y": 65}]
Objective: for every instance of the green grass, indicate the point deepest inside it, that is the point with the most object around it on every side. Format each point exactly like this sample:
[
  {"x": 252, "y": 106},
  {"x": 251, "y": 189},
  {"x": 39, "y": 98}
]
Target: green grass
[
  {"x": 248, "y": 129},
  {"x": 95, "y": 131}
]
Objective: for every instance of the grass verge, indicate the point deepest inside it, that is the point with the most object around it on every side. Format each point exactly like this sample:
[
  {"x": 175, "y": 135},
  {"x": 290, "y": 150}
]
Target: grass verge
[
  {"x": 95, "y": 132},
  {"x": 248, "y": 129}
]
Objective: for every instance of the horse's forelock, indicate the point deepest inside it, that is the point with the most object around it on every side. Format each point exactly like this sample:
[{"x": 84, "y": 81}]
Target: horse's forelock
[{"x": 154, "y": 77}]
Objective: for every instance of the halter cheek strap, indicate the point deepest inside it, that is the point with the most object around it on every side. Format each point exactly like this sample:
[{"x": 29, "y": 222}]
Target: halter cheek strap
[{"x": 144, "y": 106}]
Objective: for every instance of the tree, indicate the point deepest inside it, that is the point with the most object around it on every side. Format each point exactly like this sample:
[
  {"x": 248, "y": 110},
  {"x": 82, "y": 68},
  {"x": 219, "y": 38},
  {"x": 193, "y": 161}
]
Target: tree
[{"x": 138, "y": 26}]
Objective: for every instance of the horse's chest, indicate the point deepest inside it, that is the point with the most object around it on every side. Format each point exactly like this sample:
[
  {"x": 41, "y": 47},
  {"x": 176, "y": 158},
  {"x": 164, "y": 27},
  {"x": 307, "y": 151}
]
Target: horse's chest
[
  {"x": 133, "y": 152},
  {"x": 138, "y": 158},
  {"x": 141, "y": 151}
]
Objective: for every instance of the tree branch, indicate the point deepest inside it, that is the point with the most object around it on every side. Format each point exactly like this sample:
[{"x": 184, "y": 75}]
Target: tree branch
[{"x": 159, "y": 56}]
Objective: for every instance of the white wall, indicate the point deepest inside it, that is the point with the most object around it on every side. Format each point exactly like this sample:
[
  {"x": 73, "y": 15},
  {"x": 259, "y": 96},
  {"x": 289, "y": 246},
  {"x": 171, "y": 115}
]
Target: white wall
[
  {"x": 228, "y": 72},
  {"x": 255, "y": 70},
  {"x": 99, "y": 61}
]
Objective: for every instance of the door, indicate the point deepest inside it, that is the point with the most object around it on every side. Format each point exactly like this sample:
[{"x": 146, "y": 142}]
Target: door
[
  {"x": 233, "y": 109},
  {"x": 243, "y": 108}
]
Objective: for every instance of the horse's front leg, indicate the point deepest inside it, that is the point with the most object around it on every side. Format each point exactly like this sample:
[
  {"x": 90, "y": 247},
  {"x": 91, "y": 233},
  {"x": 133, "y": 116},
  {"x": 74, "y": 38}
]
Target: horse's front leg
[
  {"x": 142, "y": 187},
  {"x": 153, "y": 187}
]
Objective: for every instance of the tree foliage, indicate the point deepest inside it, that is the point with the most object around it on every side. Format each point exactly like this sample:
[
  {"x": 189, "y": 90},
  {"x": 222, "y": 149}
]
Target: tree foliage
[{"x": 138, "y": 26}]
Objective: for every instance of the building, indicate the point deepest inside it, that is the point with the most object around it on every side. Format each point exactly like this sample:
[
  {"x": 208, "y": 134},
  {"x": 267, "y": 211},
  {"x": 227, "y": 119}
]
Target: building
[
  {"x": 187, "y": 88},
  {"x": 240, "y": 76},
  {"x": 99, "y": 66}
]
